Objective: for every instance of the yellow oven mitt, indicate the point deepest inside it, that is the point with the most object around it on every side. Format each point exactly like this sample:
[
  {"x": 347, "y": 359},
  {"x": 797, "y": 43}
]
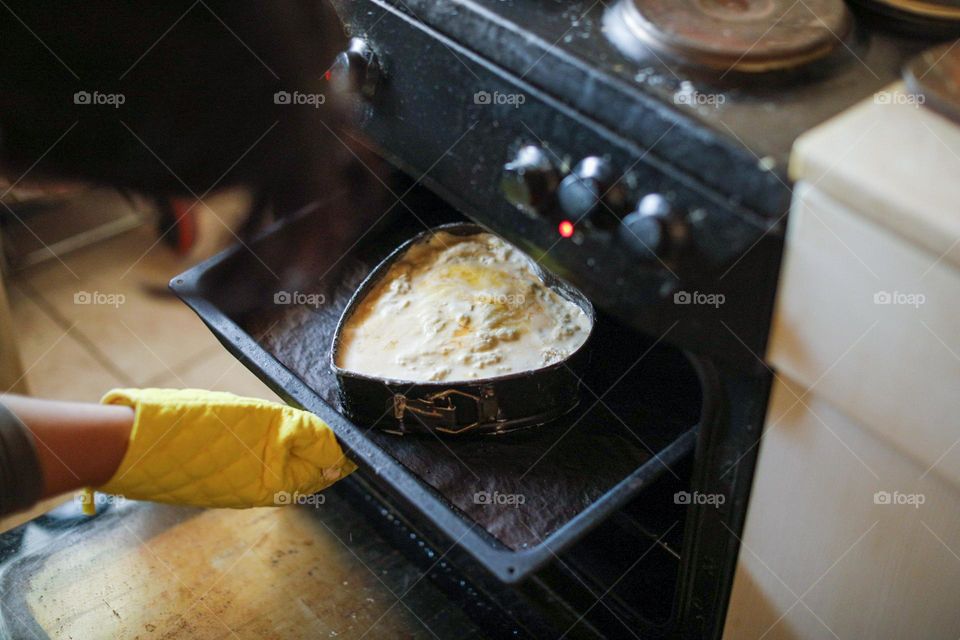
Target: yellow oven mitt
[{"x": 214, "y": 449}]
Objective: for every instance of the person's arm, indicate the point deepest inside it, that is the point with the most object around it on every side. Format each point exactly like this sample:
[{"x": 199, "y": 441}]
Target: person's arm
[
  {"x": 180, "y": 446},
  {"x": 77, "y": 444}
]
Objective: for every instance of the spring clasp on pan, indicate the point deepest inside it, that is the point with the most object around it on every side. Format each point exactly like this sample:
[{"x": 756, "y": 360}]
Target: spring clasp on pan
[{"x": 449, "y": 411}]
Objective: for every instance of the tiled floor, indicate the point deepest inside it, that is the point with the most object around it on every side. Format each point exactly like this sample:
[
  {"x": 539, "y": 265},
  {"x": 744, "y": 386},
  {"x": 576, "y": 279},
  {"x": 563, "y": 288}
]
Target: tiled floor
[
  {"x": 131, "y": 331},
  {"x": 102, "y": 318}
]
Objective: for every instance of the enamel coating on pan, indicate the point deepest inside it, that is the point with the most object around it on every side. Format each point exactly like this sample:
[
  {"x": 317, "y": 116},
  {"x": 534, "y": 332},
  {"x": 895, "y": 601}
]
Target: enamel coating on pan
[{"x": 492, "y": 405}]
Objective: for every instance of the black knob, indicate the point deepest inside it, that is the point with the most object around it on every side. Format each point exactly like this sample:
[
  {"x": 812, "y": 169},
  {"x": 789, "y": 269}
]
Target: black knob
[
  {"x": 591, "y": 193},
  {"x": 655, "y": 229},
  {"x": 355, "y": 70},
  {"x": 530, "y": 181}
]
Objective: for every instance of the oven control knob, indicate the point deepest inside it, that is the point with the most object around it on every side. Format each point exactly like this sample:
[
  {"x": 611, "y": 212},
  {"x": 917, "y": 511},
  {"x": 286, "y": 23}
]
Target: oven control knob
[
  {"x": 591, "y": 193},
  {"x": 529, "y": 181},
  {"x": 355, "y": 70},
  {"x": 654, "y": 229}
]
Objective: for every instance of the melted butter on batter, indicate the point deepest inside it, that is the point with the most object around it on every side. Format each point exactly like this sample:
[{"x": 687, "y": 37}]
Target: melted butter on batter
[{"x": 460, "y": 308}]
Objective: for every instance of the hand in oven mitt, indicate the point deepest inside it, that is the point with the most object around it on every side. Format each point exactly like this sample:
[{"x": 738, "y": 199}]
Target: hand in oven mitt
[{"x": 214, "y": 449}]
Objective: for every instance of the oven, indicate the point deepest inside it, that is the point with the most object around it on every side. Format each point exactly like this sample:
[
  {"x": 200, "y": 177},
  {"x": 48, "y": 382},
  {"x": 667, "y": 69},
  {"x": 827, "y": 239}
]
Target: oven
[
  {"x": 594, "y": 514},
  {"x": 622, "y": 518}
]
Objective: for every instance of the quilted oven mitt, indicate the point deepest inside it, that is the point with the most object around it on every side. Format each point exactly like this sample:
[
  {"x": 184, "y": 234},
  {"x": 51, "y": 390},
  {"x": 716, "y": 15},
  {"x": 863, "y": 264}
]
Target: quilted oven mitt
[{"x": 214, "y": 449}]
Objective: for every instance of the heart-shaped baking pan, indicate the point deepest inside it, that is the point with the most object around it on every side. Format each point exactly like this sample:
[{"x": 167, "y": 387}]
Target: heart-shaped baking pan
[{"x": 491, "y": 405}]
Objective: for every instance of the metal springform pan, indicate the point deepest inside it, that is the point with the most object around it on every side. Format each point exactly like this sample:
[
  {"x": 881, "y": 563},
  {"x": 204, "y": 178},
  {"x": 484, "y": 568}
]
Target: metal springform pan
[{"x": 492, "y": 405}]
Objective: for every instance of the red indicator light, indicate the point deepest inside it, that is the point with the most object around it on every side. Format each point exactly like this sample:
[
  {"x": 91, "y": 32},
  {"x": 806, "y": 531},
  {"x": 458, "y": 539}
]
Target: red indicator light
[
  {"x": 565, "y": 228},
  {"x": 327, "y": 75}
]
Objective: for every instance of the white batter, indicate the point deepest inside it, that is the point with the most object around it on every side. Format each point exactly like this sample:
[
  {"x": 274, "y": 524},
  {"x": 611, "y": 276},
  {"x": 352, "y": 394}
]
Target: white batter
[{"x": 460, "y": 308}]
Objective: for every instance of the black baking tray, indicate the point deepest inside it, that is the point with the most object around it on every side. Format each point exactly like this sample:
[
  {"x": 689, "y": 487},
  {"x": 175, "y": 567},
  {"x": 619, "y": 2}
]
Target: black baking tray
[{"x": 274, "y": 304}]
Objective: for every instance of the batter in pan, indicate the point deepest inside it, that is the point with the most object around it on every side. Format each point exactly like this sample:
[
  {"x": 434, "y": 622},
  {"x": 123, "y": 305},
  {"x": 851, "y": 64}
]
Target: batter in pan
[{"x": 460, "y": 308}]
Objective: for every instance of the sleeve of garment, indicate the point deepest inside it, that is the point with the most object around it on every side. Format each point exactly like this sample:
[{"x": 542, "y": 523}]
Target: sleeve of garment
[{"x": 21, "y": 479}]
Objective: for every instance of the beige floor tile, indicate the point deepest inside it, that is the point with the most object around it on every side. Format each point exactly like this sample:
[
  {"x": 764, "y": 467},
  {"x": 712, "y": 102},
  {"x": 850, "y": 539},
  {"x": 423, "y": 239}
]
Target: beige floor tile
[
  {"x": 217, "y": 370},
  {"x": 115, "y": 292},
  {"x": 57, "y": 219},
  {"x": 57, "y": 365},
  {"x": 123, "y": 315}
]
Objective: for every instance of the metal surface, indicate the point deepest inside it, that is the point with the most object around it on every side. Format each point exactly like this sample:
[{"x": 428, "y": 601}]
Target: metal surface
[
  {"x": 356, "y": 69},
  {"x": 530, "y": 180},
  {"x": 593, "y": 194},
  {"x": 934, "y": 76},
  {"x": 748, "y": 35},
  {"x": 457, "y": 145},
  {"x": 148, "y": 570},
  {"x": 571, "y": 484},
  {"x": 655, "y": 230},
  {"x": 561, "y": 49},
  {"x": 933, "y": 10},
  {"x": 720, "y": 168},
  {"x": 492, "y": 406}
]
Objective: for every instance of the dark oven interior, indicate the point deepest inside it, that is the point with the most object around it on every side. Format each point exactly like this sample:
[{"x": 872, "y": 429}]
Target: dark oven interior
[{"x": 542, "y": 521}]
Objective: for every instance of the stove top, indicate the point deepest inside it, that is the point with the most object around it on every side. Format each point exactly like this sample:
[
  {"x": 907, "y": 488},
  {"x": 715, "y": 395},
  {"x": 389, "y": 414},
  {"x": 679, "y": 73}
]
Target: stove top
[
  {"x": 718, "y": 88},
  {"x": 730, "y": 35}
]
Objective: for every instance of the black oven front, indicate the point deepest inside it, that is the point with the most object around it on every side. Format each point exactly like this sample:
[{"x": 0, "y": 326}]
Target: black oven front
[{"x": 621, "y": 519}]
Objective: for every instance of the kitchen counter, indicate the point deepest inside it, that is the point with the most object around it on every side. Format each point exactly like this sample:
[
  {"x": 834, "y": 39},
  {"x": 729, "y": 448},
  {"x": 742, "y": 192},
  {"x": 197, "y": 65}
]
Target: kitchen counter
[
  {"x": 140, "y": 570},
  {"x": 895, "y": 162}
]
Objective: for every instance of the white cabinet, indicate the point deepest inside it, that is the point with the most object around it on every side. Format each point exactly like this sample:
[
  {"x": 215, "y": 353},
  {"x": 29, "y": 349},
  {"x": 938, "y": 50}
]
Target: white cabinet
[{"x": 853, "y": 529}]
